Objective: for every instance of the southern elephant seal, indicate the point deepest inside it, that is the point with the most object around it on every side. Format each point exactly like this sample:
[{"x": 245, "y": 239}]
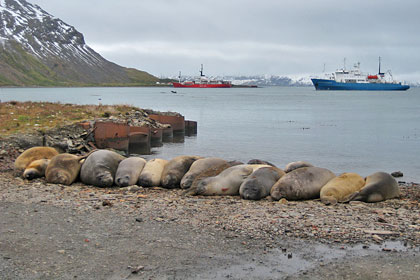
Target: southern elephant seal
[
  {"x": 302, "y": 183},
  {"x": 151, "y": 174},
  {"x": 227, "y": 182},
  {"x": 295, "y": 165},
  {"x": 99, "y": 168},
  {"x": 210, "y": 172},
  {"x": 337, "y": 189},
  {"x": 36, "y": 169},
  {"x": 128, "y": 171},
  {"x": 379, "y": 186},
  {"x": 175, "y": 170},
  {"x": 64, "y": 169},
  {"x": 197, "y": 168},
  {"x": 32, "y": 154},
  {"x": 260, "y": 182}
]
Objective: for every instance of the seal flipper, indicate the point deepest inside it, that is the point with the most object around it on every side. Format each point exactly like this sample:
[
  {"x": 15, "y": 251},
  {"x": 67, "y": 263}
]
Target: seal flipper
[{"x": 356, "y": 196}]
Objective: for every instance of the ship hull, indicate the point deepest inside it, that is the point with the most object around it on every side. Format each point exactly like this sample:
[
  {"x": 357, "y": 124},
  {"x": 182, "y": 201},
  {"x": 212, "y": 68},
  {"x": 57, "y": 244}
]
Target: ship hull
[
  {"x": 324, "y": 84},
  {"x": 180, "y": 85}
]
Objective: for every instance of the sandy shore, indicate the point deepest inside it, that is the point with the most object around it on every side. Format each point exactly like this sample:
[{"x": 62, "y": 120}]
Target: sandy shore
[{"x": 56, "y": 232}]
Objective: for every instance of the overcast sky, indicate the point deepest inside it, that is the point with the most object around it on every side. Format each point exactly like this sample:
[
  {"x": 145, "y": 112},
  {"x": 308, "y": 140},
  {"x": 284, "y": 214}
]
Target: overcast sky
[{"x": 246, "y": 37}]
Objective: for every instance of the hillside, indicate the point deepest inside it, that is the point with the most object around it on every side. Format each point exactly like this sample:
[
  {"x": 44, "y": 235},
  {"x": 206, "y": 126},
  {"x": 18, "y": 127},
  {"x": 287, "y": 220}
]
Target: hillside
[{"x": 37, "y": 49}]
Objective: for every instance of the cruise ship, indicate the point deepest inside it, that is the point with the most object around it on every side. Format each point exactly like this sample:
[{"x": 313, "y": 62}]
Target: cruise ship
[{"x": 354, "y": 79}]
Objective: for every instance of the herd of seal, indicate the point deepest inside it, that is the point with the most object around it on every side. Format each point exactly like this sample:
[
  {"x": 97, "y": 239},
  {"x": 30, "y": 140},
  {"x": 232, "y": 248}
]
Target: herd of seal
[{"x": 209, "y": 176}]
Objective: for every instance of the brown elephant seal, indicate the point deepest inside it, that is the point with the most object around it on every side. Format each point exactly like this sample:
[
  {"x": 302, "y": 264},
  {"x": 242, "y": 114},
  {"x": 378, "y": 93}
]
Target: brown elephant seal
[
  {"x": 175, "y": 169},
  {"x": 340, "y": 187},
  {"x": 64, "y": 169},
  {"x": 36, "y": 169},
  {"x": 32, "y": 154},
  {"x": 302, "y": 183},
  {"x": 379, "y": 186},
  {"x": 100, "y": 167},
  {"x": 227, "y": 182},
  {"x": 151, "y": 174},
  {"x": 259, "y": 161},
  {"x": 128, "y": 171},
  {"x": 295, "y": 165},
  {"x": 197, "y": 168},
  {"x": 258, "y": 185}
]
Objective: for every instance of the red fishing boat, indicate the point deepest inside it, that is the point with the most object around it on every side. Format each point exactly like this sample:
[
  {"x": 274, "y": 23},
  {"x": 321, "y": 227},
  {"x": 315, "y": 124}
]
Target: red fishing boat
[{"x": 202, "y": 82}]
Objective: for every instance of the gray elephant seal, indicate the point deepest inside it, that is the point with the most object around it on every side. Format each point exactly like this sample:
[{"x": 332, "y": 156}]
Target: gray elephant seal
[
  {"x": 259, "y": 161},
  {"x": 295, "y": 165},
  {"x": 302, "y": 183},
  {"x": 197, "y": 168},
  {"x": 128, "y": 171},
  {"x": 379, "y": 186},
  {"x": 151, "y": 174},
  {"x": 340, "y": 187},
  {"x": 32, "y": 154},
  {"x": 64, "y": 169},
  {"x": 211, "y": 172},
  {"x": 36, "y": 169},
  {"x": 258, "y": 185},
  {"x": 227, "y": 182},
  {"x": 175, "y": 169},
  {"x": 99, "y": 168}
]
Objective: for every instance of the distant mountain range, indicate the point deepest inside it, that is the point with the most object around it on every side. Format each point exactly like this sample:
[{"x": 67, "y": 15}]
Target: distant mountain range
[
  {"x": 37, "y": 49},
  {"x": 260, "y": 80}
]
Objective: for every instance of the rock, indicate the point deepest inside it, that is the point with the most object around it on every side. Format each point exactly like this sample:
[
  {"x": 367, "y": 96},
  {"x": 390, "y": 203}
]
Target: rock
[{"x": 397, "y": 174}]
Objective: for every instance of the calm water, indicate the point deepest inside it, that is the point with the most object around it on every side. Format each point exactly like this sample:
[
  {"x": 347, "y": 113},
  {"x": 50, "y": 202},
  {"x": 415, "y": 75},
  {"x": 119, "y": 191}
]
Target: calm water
[{"x": 361, "y": 132}]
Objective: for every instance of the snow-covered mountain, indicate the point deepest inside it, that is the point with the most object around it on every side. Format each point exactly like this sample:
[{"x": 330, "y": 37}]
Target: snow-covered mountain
[
  {"x": 40, "y": 49},
  {"x": 260, "y": 80}
]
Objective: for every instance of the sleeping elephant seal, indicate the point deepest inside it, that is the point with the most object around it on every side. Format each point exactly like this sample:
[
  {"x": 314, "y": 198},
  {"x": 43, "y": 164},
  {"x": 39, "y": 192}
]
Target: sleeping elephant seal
[
  {"x": 36, "y": 169},
  {"x": 210, "y": 172},
  {"x": 227, "y": 182},
  {"x": 64, "y": 169},
  {"x": 340, "y": 187},
  {"x": 302, "y": 183},
  {"x": 379, "y": 186},
  {"x": 128, "y": 171},
  {"x": 32, "y": 154},
  {"x": 151, "y": 174},
  {"x": 99, "y": 168},
  {"x": 175, "y": 170},
  {"x": 260, "y": 182},
  {"x": 198, "y": 167},
  {"x": 295, "y": 165}
]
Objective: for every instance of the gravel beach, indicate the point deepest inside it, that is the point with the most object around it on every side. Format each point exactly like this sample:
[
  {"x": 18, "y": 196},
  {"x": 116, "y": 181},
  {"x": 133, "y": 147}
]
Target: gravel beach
[{"x": 82, "y": 232}]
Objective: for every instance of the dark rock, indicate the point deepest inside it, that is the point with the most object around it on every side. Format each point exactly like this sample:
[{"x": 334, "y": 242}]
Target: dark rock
[{"x": 397, "y": 174}]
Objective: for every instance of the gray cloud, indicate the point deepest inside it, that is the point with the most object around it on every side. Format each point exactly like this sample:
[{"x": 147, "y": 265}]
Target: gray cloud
[{"x": 248, "y": 37}]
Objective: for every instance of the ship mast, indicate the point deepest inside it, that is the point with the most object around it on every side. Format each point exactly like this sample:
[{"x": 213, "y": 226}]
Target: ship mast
[
  {"x": 380, "y": 67},
  {"x": 201, "y": 71}
]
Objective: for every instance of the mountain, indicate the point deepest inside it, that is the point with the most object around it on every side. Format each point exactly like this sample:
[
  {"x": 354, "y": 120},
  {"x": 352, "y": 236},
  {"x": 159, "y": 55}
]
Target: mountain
[{"x": 37, "y": 49}]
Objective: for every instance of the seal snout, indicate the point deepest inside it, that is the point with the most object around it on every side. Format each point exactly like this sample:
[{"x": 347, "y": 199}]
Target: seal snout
[
  {"x": 105, "y": 180},
  {"x": 123, "y": 181},
  {"x": 30, "y": 174}
]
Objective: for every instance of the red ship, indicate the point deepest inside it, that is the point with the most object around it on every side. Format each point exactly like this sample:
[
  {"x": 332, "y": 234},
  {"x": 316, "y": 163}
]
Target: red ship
[{"x": 202, "y": 82}]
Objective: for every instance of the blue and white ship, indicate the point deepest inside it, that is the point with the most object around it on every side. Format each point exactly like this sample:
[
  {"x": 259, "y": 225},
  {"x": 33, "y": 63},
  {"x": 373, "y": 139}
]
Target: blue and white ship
[{"x": 356, "y": 80}]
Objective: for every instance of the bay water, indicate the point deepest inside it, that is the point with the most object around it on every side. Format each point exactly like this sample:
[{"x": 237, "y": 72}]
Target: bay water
[{"x": 344, "y": 131}]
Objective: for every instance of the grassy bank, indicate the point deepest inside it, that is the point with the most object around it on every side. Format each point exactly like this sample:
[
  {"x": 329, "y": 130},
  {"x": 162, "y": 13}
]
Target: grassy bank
[{"x": 24, "y": 117}]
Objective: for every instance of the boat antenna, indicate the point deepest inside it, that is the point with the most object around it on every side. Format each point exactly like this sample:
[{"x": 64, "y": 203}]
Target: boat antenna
[
  {"x": 201, "y": 71},
  {"x": 179, "y": 76},
  {"x": 323, "y": 71},
  {"x": 344, "y": 64}
]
